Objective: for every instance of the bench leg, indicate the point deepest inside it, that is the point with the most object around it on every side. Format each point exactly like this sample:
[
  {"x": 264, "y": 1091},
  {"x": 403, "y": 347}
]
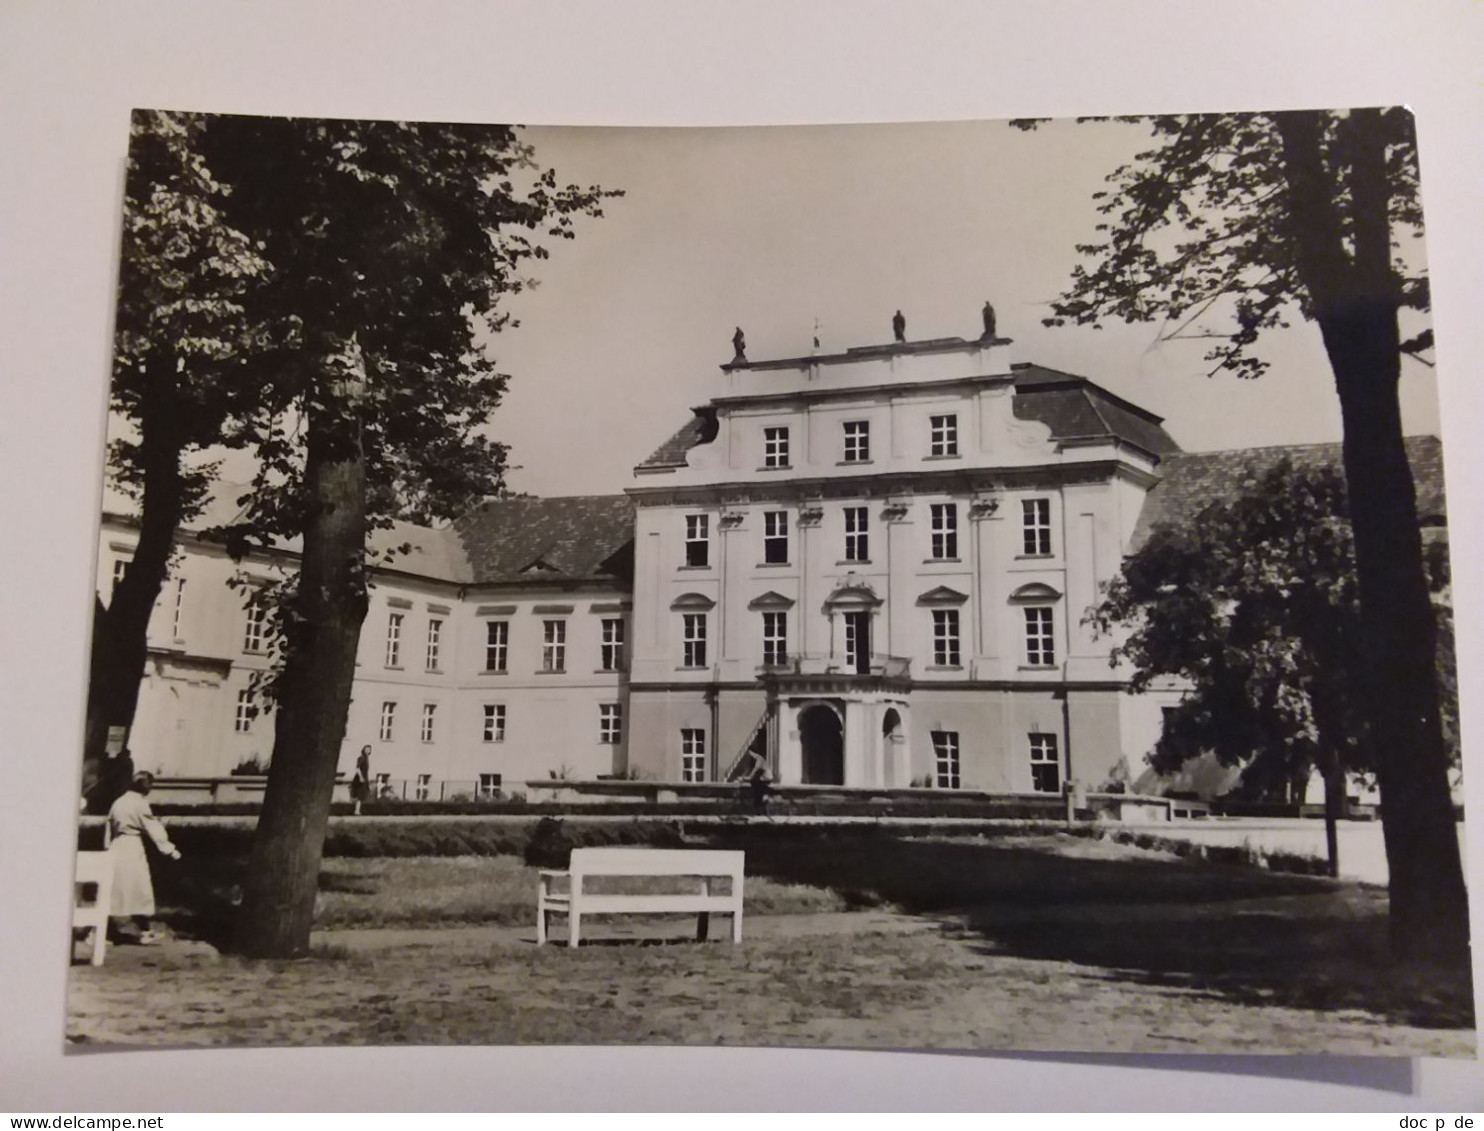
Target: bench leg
[
  {"x": 737, "y": 925},
  {"x": 541, "y": 921},
  {"x": 100, "y": 942},
  {"x": 703, "y": 926},
  {"x": 574, "y": 927}
]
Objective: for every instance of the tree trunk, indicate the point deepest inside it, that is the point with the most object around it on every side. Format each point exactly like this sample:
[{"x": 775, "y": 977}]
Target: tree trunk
[
  {"x": 1334, "y": 810},
  {"x": 121, "y": 630},
  {"x": 1355, "y": 298},
  {"x": 321, "y": 635}
]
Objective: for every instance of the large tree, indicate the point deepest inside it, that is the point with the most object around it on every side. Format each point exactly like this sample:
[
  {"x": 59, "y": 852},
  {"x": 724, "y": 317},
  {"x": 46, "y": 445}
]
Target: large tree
[
  {"x": 392, "y": 246},
  {"x": 1252, "y": 605},
  {"x": 1256, "y": 218},
  {"x": 187, "y": 344}
]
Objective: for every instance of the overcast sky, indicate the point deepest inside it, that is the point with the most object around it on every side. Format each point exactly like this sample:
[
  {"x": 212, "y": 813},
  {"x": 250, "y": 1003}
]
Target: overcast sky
[{"x": 771, "y": 228}]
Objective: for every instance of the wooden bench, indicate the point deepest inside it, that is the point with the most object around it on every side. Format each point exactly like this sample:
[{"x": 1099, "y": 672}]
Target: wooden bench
[
  {"x": 704, "y": 865},
  {"x": 94, "y": 869}
]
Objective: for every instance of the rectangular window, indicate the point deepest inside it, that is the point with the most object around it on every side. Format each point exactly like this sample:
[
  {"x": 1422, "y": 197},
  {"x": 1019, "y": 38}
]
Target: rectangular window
[
  {"x": 257, "y": 616},
  {"x": 554, "y": 646},
  {"x": 692, "y": 754},
  {"x": 388, "y": 717},
  {"x": 697, "y": 540},
  {"x": 424, "y": 789},
  {"x": 430, "y": 712},
  {"x": 1045, "y": 764},
  {"x": 180, "y": 583},
  {"x": 435, "y": 640},
  {"x": 775, "y": 447},
  {"x": 775, "y": 638},
  {"x": 857, "y": 535},
  {"x": 857, "y": 441},
  {"x": 775, "y": 537},
  {"x": 488, "y": 788},
  {"x": 945, "y": 530},
  {"x": 1040, "y": 649},
  {"x": 943, "y": 434},
  {"x": 612, "y": 647},
  {"x": 120, "y": 567},
  {"x": 245, "y": 712},
  {"x": 496, "y": 645},
  {"x": 694, "y": 637},
  {"x": 384, "y": 785},
  {"x": 494, "y": 722},
  {"x": 1036, "y": 525},
  {"x": 945, "y": 638},
  {"x": 945, "y": 759},
  {"x": 610, "y": 724},
  {"x": 393, "y": 639}
]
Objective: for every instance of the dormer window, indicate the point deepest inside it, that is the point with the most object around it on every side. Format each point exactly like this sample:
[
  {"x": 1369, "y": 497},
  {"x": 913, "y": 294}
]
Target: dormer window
[
  {"x": 775, "y": 447},
  {"x": 857, "y": 441}
]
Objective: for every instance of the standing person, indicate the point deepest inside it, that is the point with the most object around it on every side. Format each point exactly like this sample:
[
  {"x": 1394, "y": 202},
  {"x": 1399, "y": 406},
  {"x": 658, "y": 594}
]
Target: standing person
[
  {"x": 360, "y": 784},
  {"x": 132, "y": 903}
]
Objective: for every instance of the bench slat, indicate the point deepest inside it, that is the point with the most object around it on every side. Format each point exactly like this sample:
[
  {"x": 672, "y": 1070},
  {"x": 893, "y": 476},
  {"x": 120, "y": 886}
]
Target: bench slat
[
  {"x": 655, "y": 904},
  {"x": 656, "y": 862}
]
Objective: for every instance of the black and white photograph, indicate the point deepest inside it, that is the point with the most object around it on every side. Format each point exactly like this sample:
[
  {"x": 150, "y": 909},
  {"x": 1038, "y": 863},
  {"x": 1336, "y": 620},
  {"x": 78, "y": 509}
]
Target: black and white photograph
[{"x": 935, "y": 585}]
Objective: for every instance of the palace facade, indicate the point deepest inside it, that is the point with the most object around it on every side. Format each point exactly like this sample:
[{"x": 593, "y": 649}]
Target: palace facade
[{"x": 861, "y": 569}]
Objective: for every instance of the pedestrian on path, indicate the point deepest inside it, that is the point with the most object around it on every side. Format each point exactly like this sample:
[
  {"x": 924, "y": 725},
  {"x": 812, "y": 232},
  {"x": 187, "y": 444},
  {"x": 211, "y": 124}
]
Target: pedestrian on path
[{"x": 132, "y": 903}]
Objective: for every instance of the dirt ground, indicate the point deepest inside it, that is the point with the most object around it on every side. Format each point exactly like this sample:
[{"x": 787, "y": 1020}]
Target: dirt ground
[{"x": 1065, "y": 946}]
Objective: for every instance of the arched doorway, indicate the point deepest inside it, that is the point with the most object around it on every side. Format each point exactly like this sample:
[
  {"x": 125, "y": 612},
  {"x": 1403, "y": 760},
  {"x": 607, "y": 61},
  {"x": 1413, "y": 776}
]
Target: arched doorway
[
  {"x": 823, "y": 740},
  {"x": 893, "y": 742}
]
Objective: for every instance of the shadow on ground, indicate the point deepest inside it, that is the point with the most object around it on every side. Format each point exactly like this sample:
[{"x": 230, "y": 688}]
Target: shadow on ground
[{"x": 1236, "y": 933}]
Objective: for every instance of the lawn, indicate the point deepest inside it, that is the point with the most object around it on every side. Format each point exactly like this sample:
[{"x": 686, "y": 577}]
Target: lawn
[{"x": 1044, "y": 942}]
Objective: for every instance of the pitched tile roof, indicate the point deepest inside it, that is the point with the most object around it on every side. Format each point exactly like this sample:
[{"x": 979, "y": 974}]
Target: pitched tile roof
[
  {"x": 1192, "y": 481},
  {"x": 572, "y": 538},
  {"x": 1076, "y": 409}
]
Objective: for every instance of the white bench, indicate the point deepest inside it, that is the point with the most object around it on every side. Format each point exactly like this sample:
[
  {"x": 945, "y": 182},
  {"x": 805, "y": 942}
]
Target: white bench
[
  {"x": 94, "y": 869},
  {"x": 705, "y": 865}
]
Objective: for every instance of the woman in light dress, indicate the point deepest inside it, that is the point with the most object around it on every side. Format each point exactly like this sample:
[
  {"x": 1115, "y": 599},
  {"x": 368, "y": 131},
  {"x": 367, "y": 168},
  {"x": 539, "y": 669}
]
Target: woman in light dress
[{"x": 133, "y": 900}]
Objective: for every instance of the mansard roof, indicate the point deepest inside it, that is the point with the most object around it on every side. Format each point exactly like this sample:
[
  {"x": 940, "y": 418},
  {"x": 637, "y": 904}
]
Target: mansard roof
[
  {"x": 1191, "y": 481},
  {"x": 1074, "y": 408},
  {"x": 568, "y": 538}
]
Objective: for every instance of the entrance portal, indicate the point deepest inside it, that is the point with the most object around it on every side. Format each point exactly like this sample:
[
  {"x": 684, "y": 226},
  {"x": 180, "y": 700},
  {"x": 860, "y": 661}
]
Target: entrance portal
[{"x": 823, "y": 741}]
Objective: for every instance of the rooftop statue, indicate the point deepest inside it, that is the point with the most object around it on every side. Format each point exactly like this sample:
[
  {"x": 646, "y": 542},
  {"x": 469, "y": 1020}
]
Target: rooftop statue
[{"x": 899, "y": 327}]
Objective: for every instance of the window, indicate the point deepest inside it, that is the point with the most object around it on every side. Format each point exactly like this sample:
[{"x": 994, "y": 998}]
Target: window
[
  {"x": 857, "y": 441},
  {"x": 612, "y": 647},
  {"x": 384, "y": 785},
  {"x": 945, "y": 638},
  {"x": 1045, "y": 764},
  {"x": 393, "y": 639},
  {"x": 775, "y": 537},
  {"x": 610, "y": 724},
  {"x": 388, "y": 717},
  {"x": 488, "y": 788},
  {"x": 697, "y": 540},
  {"x": 430, "y": 712},
  {"x": 179, "y": 604},
  {"x": 775, "y": 447},
  {"x": 692, "y": 754},
  {"x": 435, "y": 639},
  {"x": 257, "y": 616},
  {"x": 554, "y": 646},
  {"x": 945, "y": 758},
  {"x": 943, "y": 432},
  {"x": 945, "y": 530},
  {"x": 496, "y": 645},
  {"x": 120, "y": 567},
  {"x": 245, "y": 712},
  {"x": 857, "y": 536},
  {"x": 1040, "y": 649},
  {"x": 424, "y": 787},
  {"x": 694, "y": 637},
  {"x": 494, "y": 722},
  {"x": 1036, "y": 524},
  {"x": 775, "y": 638}
]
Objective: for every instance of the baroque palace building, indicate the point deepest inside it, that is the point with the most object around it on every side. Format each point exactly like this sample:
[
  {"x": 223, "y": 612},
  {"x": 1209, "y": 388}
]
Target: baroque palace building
[{"x": 860, "y": 569}]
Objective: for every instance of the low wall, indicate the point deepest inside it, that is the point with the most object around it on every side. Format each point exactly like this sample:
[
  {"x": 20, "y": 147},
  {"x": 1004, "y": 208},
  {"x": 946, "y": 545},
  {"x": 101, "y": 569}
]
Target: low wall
[{"x": 236, "y": 789}]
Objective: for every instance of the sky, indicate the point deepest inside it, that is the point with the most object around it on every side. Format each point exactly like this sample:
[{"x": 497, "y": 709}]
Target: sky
[{"x": 773, "y": 228}]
